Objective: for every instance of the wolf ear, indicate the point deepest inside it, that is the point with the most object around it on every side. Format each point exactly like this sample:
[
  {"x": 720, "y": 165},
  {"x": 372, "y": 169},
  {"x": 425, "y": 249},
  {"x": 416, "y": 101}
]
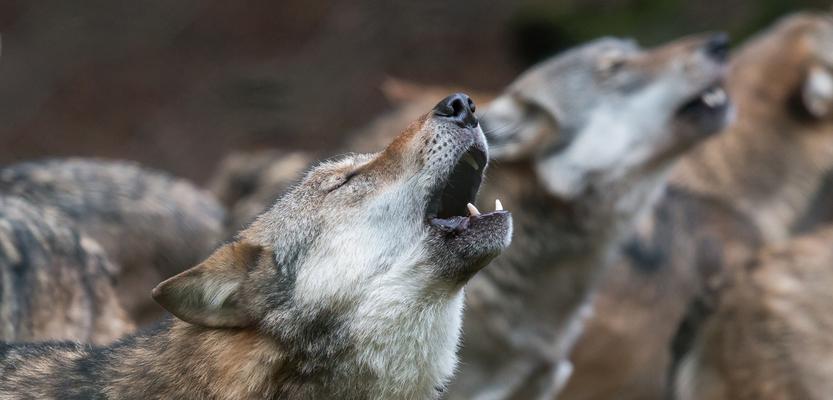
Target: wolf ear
[
  {"x": 817, "y": 92},
  {"x": 209, "y": 294},
  {"x": 515, "y": 130}
]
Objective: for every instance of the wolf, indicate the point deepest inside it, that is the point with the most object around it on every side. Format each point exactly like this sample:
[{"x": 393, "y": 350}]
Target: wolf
[
  {"x": 771, "y": 287},
  {"x": 151, "y": 225},
  {"x": 748, "y": 187},
  {"x": 55, "y": 282},
  {"x": 349, "y": 287},
  {"x": 582, "y": 145}
]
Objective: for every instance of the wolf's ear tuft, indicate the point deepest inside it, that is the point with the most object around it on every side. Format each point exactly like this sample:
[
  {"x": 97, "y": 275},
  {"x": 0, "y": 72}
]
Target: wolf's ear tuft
[
  {"x": 517, "y": 130},
  {"x": 817, "y": 92},
  {"x": 209, "y": 294}
]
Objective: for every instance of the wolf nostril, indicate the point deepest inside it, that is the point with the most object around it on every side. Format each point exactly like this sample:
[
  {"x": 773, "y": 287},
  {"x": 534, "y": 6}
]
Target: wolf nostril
[
  {"x": 459, "y": 108},
  {"x": 717, "y": 46}
]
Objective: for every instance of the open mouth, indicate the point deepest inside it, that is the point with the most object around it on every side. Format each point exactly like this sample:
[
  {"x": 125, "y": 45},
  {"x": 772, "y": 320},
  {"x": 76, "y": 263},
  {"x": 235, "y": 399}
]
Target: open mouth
[
  {"x": 712, "y": 100},
  {"x": 451, "y": 207}
]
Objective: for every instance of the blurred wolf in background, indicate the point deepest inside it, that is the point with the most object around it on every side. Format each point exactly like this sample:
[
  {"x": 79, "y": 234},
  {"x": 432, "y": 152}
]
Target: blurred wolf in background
[
  {"x": 349, "y": 287},
  {"x": 150, "y": 224},
  {"x": 754, "y": 184},
  {"x": 582, "y": 145},
  {"x": 56, "y": 283}
]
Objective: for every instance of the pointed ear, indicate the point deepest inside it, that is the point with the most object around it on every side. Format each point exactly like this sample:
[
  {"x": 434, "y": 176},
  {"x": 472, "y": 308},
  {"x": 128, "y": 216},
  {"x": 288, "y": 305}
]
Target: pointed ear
[
  {"x": 515, "y": 130},
  {"x": 817, "y": 92},
  {"x": 210, "y": 294}
]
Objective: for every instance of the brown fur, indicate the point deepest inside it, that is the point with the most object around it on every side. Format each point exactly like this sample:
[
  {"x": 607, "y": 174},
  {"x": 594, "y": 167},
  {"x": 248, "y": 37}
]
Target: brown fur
[
  {"x": 769, "y": 338},
  {"x": 748, "y": 186}
]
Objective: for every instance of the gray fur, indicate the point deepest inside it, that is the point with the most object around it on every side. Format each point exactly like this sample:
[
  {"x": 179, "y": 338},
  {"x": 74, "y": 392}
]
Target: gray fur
[
  {"x": 55, "y": 282},
  {"x": 150, "y": 224}
]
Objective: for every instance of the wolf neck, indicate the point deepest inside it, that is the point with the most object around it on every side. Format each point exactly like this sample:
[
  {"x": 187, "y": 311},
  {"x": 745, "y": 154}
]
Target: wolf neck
[
  {"x": 769, "y": 174},
  {"x": 185, "y": 361},
  {"x": 537, "y": 286}
]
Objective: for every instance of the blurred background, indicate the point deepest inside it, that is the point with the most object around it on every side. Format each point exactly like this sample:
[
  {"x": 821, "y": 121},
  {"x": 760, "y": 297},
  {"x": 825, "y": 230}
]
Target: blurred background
[{"x": 177, "y": 84}]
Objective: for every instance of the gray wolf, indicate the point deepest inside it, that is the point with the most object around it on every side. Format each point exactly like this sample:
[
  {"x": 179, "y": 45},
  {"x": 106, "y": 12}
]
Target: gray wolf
[
  {"x": 349, "y": 287},
  {"x": 582, "y": 145}
]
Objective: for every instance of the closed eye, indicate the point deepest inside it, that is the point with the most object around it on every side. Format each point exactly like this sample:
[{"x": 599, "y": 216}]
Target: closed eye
[{"x": 335, "y": 182}]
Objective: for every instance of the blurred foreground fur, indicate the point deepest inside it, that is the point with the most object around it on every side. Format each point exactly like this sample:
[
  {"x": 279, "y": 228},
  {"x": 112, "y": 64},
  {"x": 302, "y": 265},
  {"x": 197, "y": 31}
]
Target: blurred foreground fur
[
  {"x": 749, "y": 186},
  {"x": 150, "y": 224},
  {"x": 55, "y": 282},
  {"x": 349, "y": 287}
]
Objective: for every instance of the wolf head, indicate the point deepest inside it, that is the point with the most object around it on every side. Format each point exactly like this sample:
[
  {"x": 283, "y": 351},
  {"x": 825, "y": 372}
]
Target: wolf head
[
  {"x": 786, "y": 73},
  {"x": 803, "y": 46},
  {"x": 610, "y": 112},
  {"x": 366, "y": 249}
]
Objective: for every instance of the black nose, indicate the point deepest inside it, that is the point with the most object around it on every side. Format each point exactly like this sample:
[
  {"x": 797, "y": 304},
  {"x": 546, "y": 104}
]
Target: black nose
[
  {"x": 717, "y": 47},
  {"x": 459, "y": 108}
]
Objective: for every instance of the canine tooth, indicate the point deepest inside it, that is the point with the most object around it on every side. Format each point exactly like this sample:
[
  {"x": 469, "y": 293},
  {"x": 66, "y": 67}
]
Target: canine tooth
[
  {"x": 715, "y": 97},
  {"x": 498, "y": 205},
  {"x": 471, "y": 161},
  {"x": 472, "y": 210}
]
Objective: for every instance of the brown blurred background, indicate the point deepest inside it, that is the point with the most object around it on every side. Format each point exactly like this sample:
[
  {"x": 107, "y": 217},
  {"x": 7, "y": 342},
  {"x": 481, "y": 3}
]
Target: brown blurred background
[{"x": 177, "y": 84}]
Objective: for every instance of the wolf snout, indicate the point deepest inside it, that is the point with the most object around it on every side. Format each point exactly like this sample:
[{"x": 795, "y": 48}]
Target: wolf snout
[
  {"x": 717, "y": 47},
  {"x": 459, "y": 108}
]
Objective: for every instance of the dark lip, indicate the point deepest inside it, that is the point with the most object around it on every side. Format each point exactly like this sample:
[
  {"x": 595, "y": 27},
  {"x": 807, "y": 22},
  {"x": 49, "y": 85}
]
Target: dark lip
[
  {"x": 467, "y": 244},
  {"x": 460, "y": 223},
  {"x": 447, "y": 204}
]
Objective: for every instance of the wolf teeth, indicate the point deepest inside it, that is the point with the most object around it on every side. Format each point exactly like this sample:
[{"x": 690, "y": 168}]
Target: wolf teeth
[
  {"x": 471, "y": 161},
  {"x": 498, "y": 205},
  {"x": 472, "y": 210},
  {"x": 714, "y": 97}
]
